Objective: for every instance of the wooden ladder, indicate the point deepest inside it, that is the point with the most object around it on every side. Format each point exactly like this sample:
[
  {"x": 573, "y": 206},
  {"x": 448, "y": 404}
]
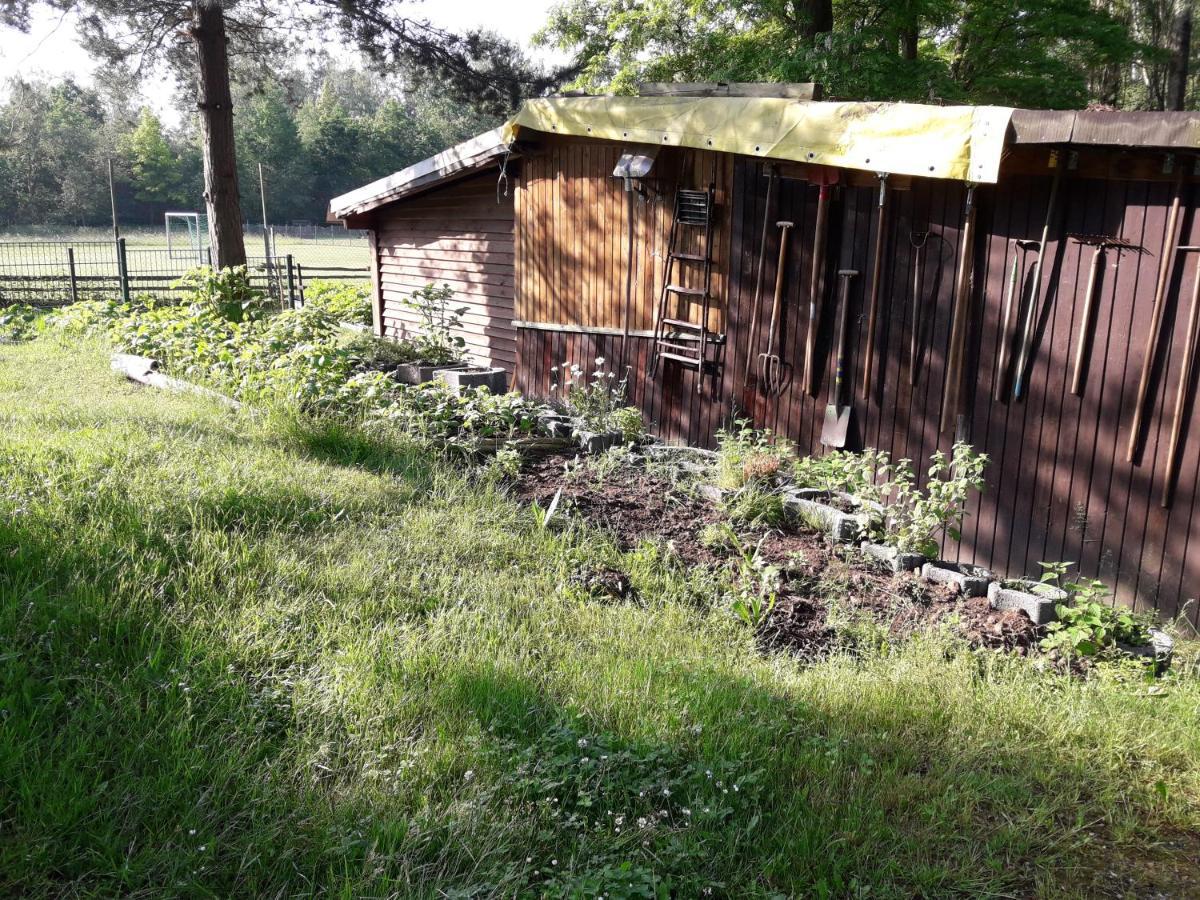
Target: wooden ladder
[{"x": 680, "y": 339}]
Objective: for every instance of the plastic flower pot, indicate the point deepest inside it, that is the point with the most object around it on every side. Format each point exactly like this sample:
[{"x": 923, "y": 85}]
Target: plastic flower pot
[
  {"x": 495, "y": 380},
  {"x": 1035, "y": 598},
  {"x": 968, "y": 580}
]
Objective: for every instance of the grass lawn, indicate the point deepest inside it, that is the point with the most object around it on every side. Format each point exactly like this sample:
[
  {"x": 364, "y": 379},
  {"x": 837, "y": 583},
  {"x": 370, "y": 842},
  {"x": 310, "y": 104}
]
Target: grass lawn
[{"x": 242, "y": 656}]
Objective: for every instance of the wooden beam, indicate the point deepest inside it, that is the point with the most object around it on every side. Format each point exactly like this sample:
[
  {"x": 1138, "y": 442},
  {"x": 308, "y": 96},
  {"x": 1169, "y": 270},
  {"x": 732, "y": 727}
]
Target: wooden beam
[{"x": 804, "y": 90}]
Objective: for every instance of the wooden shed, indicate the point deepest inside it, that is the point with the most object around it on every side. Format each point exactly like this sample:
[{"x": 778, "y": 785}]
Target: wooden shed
[
  {"x": 445, "y": 220},
  {"x": 1076, "y": 385}
]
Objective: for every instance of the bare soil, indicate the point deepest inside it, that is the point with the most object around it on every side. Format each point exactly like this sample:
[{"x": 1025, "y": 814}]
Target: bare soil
[{"x": 635, "y": 505}]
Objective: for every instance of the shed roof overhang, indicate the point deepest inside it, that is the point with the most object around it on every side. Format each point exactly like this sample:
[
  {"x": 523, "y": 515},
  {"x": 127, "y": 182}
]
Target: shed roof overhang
[
  {"x": 461, "y": 159},
  {"x": 960, "y": 142}
]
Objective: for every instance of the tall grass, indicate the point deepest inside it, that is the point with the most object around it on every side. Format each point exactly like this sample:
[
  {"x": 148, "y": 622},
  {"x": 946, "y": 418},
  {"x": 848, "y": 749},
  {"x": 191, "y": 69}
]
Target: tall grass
[{"x": 249, "y": 655}]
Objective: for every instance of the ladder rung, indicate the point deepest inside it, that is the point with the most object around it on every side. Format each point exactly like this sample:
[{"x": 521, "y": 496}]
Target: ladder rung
[
  {"x": 678, "y": 357},
  {"x": 690, "y": 257},
  {"x": 681, "y": 323},
  {"x": 687, "y": 291}
]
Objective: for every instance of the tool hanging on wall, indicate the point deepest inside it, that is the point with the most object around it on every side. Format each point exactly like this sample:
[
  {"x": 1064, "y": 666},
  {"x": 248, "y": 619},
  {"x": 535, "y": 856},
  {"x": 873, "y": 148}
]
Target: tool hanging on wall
[
  {"x": 1186, "y": 370},
  {"x": 1016, "y": 276},
  {"x": 1087, "y": 323},
  {"x": 958, "y": 323},
  {"x": 1165, "y": 266},
  {"x": 770, "y": 366},
  {"x": 876, "y": 276},
  {"x": 824, "y": 178},
  {"x": 772, "y": 178},
  {"x": 1035, "y": 293},
  {"x": 918, "y": 240},
  {"x": 838, "y": 412}
]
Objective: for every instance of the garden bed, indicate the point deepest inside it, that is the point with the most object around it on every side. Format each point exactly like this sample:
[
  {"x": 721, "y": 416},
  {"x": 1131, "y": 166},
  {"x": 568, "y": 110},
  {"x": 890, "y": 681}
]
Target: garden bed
[{"x": 825, "y": 589}]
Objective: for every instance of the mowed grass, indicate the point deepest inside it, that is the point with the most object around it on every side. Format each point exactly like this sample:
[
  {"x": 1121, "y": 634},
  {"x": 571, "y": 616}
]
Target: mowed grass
[{"x": 245, "y": 656}]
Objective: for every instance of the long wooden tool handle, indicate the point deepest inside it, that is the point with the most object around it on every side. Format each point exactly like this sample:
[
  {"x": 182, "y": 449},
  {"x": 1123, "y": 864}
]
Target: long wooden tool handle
[
  {"x": 839, "y": 375},
  {"x": 758, "y": 280},
  {"x": 1170, "y": 241},
  {"x": 1036, "y": 293},
  {"x": 816, "y": 291},
  {"x": 958, "y": 327},
  {"x": 784, "y": 228},
  {"x": 873, "y": 301},
  {"x": 1185, "y": 380},
  {"x": 1083, "y": 344},
  {"x": 914, "y": 348},
  {"x": 1005, "y": 327}
]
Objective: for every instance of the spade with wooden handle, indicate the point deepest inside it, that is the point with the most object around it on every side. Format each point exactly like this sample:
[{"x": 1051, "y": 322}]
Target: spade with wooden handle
[
  {"x": 824, "y": 178},
  {"x": 1186, "y": 370},
  {"x": 838, "y": 413}
]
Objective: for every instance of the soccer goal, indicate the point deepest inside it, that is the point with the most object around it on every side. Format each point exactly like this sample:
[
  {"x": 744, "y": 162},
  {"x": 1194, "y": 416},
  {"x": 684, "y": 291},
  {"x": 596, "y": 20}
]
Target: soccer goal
[{"x": 187, "y": 236}]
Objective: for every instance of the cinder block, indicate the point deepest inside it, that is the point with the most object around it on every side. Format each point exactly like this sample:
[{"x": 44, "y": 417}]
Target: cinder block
[{"x": 1039, "y": 607}]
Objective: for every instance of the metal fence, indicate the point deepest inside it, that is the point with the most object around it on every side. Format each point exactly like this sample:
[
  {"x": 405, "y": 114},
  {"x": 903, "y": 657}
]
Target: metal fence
[{"x": 53, "y": 273}]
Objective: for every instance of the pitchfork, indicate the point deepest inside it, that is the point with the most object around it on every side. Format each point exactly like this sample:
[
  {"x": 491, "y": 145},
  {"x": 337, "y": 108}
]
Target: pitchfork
[{"x": 770, "y": 366}]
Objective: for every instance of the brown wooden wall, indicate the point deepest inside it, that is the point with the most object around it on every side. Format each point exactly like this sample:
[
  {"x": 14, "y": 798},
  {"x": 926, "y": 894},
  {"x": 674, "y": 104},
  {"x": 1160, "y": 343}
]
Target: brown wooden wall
[
  {"x": 1058, "y": 486},
  {"x": 572, "y": 243},
  {"x": 461, "y": 235}
]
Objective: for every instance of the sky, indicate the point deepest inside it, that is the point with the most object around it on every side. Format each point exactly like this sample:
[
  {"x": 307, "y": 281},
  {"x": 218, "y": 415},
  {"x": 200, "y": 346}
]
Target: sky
[{"x": 51, "y": 49}]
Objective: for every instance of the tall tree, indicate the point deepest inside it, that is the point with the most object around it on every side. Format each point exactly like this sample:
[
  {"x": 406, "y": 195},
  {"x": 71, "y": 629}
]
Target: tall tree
[
  {"x": 154, "y": 167},
  {"x": 199, "y": 35}
]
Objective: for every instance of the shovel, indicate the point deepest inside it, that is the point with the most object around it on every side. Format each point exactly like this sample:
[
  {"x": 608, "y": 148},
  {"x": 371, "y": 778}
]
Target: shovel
[{"x": 837, "y": 416}]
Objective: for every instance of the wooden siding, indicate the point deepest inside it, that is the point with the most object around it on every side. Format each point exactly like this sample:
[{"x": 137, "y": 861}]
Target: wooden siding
[
  {"x": 572, "y": 250},
  {"x": 1058, "y": 485},
  {"x": 460, "y": 235}
]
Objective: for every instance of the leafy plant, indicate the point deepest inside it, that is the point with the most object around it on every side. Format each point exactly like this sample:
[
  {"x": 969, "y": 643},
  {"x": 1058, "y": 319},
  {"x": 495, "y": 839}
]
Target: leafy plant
[
  {"x": 348, "y": 301},
  {"x": 756, "y": 585},
  {"x": 436, "y": 343},
  {"x": 914, "y": 519},
  {"x": 20, "y": 322},
  {"x": 863, "y": 474},
  {"x": 598, "y": 399},
  {"x": 226, "y": 292},
  {"x": 1089, "y": 624},
  {"x": 745, "y": 454}
]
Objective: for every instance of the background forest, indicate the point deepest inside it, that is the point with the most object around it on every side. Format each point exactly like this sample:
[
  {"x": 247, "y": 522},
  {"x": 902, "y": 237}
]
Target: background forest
[{"x": 323, "y": 127}]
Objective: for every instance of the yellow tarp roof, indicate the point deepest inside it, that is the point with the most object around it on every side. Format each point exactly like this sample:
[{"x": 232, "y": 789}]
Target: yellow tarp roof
[{"x": 960, "y": 142}]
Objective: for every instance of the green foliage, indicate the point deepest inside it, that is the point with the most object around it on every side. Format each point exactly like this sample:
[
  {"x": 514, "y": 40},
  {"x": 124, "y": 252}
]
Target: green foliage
[
  {"x": 1052, "y": 53},
  {"x": 914, "y": 520},
  {"x": 19, "y": 322},
  {"x": 152, "y": 164},
  {"x": 349, "y": 301},
  {"x": 223, "y": 292},
  {"x": 436, "y": 343},
  {"x": 1089, "y": 624},
  {"x": 746, "y": 455},
  {"x": 864, "y": 475},
  {"x": 598, "y": 399},
  {"x": 755, "y": 505},
  {"x": 756, "y": 585}
]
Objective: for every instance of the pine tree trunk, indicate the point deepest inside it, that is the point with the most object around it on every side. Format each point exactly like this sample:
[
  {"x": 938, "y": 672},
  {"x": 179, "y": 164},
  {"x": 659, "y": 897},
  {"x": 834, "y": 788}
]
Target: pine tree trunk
[
  {"x": 1181, "y": 49},
  {"x": 814, "y": 17},
  {"x": 216, "y": 129}
]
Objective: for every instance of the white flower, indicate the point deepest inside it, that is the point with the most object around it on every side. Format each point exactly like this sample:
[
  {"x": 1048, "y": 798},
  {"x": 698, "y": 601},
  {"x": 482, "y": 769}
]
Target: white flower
[
  {"x": 599, "y": 360},
  {"x": 666, "y": 792},
  {"x": 581, "y": 743},
  {"x": 468, "y": 775}
]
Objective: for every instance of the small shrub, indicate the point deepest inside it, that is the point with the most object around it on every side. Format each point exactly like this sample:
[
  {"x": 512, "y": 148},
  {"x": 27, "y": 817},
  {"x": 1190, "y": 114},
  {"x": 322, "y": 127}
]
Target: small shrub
[
  {"x": 745, "y": 454},
  {"x": 1089, "y": 625},
  {"x": 862, "y": 474},
  {"x": 756, "y": 585},
  {"x": 226, "y": 293},
  {"x": 598, "y": 399},
  {"x": 347, "y": 301},
  {"x": 914, "y": 519},
  {"x": 436, "y": 344},
  {"x": 20, "y": 322}
]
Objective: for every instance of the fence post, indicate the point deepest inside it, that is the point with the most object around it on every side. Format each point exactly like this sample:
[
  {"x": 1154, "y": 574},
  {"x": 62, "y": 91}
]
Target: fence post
[
  {"x": 71, "y": 272},
  {"x": 123, "y": 270},
  {"x": 300, "y": 281},
  {"x": 291, "y": 282}
]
